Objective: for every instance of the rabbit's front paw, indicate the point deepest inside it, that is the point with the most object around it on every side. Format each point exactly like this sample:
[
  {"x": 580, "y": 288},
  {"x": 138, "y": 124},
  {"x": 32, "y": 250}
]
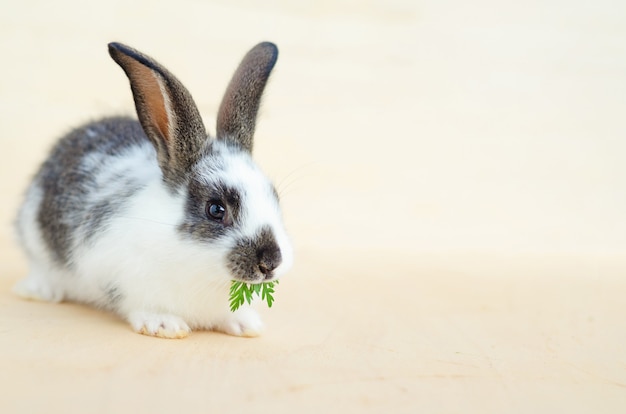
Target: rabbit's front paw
[
  {"x": 158, "y": 324},
  {"x": 244, "y": 322}
]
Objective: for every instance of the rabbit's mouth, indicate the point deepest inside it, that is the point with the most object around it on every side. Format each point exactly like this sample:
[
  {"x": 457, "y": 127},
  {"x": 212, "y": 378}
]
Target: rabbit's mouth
[{"x": 255, "y": 278}]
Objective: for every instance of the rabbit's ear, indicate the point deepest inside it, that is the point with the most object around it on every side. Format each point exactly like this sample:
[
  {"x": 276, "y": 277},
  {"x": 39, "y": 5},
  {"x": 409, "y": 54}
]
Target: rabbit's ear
[
  {"x": 166, "y": 111},
  {"x": 236, "y": 118}
]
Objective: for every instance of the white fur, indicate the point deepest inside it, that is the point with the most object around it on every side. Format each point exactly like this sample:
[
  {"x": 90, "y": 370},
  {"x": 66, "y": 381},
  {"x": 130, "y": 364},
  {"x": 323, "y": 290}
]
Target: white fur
[{"x": 168, "y": 283}]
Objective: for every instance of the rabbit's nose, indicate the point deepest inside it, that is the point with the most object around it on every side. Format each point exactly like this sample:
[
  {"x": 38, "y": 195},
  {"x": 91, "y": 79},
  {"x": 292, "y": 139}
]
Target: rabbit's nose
[{"x": 269, "y": 259}]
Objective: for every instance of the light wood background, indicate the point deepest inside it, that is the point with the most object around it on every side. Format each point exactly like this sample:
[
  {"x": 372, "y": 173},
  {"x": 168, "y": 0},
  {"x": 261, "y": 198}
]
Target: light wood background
[{"x": 453, "y": 178}]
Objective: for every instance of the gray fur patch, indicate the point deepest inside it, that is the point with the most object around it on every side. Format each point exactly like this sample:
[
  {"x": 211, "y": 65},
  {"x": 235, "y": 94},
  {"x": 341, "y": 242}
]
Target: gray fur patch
[
  {"x": 66, "y": 184},
  {"x": 113, "y": 296}
]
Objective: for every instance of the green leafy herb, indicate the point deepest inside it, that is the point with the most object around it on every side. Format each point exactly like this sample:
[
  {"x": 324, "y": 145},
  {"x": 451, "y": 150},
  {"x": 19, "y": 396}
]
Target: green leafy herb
[{"x": 241, "y": 292}]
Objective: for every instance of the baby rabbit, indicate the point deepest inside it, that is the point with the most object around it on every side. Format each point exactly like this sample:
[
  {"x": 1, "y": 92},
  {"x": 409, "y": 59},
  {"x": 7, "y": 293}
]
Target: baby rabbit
[{"x": 153, "y": 219}]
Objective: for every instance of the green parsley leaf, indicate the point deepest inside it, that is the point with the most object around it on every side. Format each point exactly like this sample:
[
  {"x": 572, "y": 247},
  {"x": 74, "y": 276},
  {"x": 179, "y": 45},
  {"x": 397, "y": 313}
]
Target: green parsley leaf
[{"x": 241, "y": 292}]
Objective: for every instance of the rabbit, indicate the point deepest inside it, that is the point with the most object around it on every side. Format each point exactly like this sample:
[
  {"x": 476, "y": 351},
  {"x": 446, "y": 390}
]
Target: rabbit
[{"x": 153, "y": 219}]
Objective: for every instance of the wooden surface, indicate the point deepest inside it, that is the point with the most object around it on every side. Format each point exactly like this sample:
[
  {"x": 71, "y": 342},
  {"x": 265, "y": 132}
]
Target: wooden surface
[{"x": 452, "y": 175}]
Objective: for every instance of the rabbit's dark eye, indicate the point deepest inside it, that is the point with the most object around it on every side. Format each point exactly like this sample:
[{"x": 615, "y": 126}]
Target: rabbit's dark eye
[{"x": 215, "y": 210}]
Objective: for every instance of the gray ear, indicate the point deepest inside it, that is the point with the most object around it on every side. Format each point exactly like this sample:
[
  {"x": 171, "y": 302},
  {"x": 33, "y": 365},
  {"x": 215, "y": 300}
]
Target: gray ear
[
  {"x": 166, "y": 111},
  {"x": 236, "y": 118}
]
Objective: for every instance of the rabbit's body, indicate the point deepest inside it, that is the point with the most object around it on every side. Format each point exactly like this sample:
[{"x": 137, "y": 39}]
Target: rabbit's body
[{"x": 154, "y": 227}]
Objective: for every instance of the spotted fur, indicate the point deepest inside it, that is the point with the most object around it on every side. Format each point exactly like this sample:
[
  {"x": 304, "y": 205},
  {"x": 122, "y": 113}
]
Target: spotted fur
[{"x": 117, "y": 218}]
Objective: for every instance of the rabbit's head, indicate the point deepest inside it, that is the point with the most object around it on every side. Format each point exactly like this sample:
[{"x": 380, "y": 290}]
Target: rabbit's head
[{"x": 231, "y": 208}]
